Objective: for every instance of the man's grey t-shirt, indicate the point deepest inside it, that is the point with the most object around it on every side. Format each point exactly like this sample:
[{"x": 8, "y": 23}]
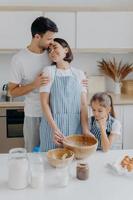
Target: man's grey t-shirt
[{"x": 25, "y": 67}]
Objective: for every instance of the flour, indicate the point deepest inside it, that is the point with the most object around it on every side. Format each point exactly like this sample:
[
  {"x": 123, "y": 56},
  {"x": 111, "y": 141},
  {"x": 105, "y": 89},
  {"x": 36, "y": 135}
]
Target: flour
[
  {"x": 37, "y": 180},
  {"x": 18, "y": 173}
]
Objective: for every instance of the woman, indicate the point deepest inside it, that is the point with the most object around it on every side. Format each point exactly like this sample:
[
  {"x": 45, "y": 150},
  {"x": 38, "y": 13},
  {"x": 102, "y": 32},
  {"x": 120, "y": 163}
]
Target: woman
[{"x": 63, "y": 100}]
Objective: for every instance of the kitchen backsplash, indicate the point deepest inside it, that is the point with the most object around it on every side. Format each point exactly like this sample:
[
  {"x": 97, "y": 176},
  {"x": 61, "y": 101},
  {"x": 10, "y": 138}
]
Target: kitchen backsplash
[
  {"x": 5, "y": 60},
  {"x": 85, "y": 61}
]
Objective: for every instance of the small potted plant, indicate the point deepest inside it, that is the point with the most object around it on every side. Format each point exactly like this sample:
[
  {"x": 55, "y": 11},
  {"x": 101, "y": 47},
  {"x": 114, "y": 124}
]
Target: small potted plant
[{"x": 116, "y": 71}]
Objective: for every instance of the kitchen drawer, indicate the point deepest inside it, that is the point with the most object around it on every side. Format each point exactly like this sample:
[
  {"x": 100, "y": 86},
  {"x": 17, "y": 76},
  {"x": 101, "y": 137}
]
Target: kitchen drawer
[{"x": 2, "y": 112}]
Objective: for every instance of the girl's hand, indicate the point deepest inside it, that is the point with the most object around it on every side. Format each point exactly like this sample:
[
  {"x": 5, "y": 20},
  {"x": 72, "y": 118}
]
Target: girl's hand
[
  {"x": 102, "y": 122},
  {"x": 57, "y": 136}
]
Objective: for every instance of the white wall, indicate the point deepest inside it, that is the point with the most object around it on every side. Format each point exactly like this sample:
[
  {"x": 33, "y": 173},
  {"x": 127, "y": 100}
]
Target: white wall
[
  {"x": 88, "y": 61},
  {"x": 5, "y": 60},
  {"x": 84, "y": 61}
]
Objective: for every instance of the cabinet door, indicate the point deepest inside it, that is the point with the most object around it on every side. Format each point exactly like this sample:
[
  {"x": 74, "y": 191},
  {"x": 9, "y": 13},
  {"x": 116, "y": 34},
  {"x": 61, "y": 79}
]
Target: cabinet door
[
  {"x": 15, "y": 28},
  {"x": 119, "y": 115},
  {"x": 66, "y": 24},
  {"x": 128, "y": 127},
  {"x": 104, "y": 30}
]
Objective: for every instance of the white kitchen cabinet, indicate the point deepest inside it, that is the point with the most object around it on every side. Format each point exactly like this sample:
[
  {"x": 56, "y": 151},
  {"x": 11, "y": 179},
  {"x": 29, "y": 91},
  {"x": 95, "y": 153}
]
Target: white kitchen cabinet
[
  {"x": 66, "y": 24},
  {"x": 15, "y": 28},
  {"x": 119, "y": 115},
  {"x": 128, "y": 127},
  {"x": 104, "y": 30}
]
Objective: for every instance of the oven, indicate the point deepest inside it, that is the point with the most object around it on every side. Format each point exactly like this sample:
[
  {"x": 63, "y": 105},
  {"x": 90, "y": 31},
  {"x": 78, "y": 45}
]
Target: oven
[{"x": 11, "y": 128}]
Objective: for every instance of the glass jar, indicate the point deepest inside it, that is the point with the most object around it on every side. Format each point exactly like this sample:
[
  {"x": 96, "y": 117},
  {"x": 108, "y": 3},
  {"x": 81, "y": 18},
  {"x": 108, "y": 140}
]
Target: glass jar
[
  {"x": 37, "y": 170},
  {"x": 18, "y": 168},
  {"x": 82, "y": 171},
  {"x": 61, "y": 176}
]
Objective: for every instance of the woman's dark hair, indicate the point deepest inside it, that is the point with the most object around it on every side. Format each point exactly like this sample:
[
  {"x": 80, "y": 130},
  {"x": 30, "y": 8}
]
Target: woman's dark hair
[
  {"x": 41, "y": 25},
  {"x": 105, "y": 100},
  {"x": 64, "y": 44}
]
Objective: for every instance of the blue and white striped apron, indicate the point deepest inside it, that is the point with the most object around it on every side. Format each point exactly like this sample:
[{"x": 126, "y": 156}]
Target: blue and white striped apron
[
  {"x": 65, "y": 100},
  {"x": 94, "y": 128}
]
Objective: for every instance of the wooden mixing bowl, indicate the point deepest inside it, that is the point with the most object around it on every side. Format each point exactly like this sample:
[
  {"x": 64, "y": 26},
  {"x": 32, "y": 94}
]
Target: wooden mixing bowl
[{"x": 82, "y": 145}]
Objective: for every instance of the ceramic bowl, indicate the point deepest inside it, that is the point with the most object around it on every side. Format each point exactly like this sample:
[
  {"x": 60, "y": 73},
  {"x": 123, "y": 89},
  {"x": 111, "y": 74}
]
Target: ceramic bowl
[{"x": 60, "y": 157}]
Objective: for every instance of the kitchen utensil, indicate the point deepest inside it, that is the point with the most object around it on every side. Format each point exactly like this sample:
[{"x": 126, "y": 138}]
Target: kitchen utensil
[
  {"x": 18, "y": 165},
  {"x": 82, "y": 171},
  {"x": 60, "y": 157},
  {"x": 37, "y": 170},
  {"x": 5, "y": 94},
  {"x": 81, "y": 145}
]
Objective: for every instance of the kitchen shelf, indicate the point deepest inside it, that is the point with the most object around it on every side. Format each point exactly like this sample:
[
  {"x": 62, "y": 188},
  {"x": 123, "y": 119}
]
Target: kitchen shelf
[
  {"x": 63, "y": 7},
  {"x": 97, "y": 50},
  {"x": 105, "y": 50},
  {"x": 8, "y": 51},
  {"x": 11, "y": 104}
]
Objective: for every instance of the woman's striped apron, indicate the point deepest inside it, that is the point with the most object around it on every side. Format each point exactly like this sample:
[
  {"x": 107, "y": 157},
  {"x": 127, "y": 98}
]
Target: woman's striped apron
[
  {"x": 65, "y": 100},
  {"x": 94, "y": 128}
]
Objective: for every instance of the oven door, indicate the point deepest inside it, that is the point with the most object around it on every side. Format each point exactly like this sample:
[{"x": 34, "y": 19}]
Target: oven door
[
  {"x": 11, "y": 129},
  {"x": 15, "y": 120}
]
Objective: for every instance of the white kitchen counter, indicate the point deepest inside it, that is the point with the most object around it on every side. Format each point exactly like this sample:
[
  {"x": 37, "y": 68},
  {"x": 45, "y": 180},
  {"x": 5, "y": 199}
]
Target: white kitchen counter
[
  {"x": 101, "y": 185},
  {"x": 118, "y": 99},
  {"x": 11, "y": 104}
]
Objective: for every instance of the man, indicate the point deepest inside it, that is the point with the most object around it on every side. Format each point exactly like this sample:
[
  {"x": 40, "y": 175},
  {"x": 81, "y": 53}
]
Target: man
[{"x": 26, "y": 77}]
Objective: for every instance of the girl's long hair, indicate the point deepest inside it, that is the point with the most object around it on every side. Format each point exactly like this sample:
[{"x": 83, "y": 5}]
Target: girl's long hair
[{"x": 105, "y": 101}]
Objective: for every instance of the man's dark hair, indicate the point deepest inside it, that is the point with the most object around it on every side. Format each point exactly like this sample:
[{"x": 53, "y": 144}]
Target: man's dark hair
[
  {"x": 64, "y": 44},
  {"x": 41, "y": 25}
]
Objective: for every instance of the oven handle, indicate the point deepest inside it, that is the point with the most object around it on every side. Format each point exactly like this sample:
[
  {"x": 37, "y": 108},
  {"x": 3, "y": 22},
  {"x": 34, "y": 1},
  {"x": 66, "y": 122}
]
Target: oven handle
[{"x": 19, "y": 110}]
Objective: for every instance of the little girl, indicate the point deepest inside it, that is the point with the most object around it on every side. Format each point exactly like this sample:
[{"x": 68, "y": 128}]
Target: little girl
[{"x": 103, "y": 124}]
